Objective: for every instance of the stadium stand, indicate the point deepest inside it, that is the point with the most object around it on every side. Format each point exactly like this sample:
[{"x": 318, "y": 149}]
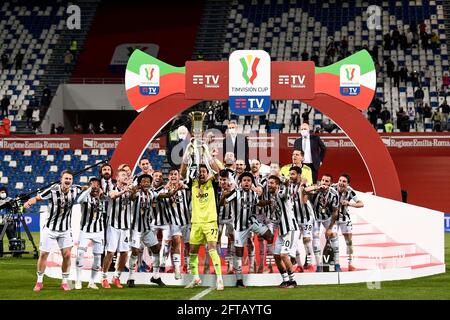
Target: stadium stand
[
  {"x": 287, "y": 28},
  {"x": 38, "y": 31}
]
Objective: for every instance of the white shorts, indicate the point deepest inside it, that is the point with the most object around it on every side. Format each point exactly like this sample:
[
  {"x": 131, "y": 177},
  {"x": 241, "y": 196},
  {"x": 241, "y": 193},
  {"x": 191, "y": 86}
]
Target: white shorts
[
  {"x": 229, "y": 229},
  {"x": 325, "y": 224},
  {"x": 149, "y": 238},
  {"x": 306, "y": 229},
  {"x": 287, "y": 243},
  {"x": 117, "y": 239},
  {"x": 240, "y": 237},
  {"x": 136, "y": 237},
  {"x": 165, "y": 228},
  {"x": 345, "y": 226},
  {"x": 97, "y": 238},
  {"x": 183, "y": 231},
  {"x": 48, "y": 237}
]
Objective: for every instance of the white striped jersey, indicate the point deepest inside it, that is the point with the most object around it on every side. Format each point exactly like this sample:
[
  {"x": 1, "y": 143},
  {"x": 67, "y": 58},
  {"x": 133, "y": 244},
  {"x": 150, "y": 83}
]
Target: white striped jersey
[
  {"x": 325, "y": 203},
  {"x": 92, "y": 212},
  {"x": 348, "y": 194},
  {"x": 107, "y": 186},
  {"x": 159, "y": 207},
  {"x": 263, "y": 182},
  {"x": 243, "y": 204},
  {"x": 60, "y": 206},
  {"x": 282, "y": 211},
  {"x": 303, "y": 212},
  {"x": 119, "y": 210},
  {"x": 179, "y": 207},
  {"x": 142, "y": 212},
  {"x": 225, "y": 212}
]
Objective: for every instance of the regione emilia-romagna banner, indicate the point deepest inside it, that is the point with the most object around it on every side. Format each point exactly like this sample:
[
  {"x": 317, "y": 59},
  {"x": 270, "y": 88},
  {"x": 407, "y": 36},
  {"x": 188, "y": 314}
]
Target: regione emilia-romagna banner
[{"x": 249, "y": 82}]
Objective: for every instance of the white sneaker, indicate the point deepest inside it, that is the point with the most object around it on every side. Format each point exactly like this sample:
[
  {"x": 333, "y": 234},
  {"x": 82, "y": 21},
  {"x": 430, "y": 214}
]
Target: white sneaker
[
  {"x": 78, "y": 285},
  {"x": 194, "y": 283},
  {"x": 177, "y": 274},
  {"x": 219, "y": 284},
  {"x": 92, "y": 286}
]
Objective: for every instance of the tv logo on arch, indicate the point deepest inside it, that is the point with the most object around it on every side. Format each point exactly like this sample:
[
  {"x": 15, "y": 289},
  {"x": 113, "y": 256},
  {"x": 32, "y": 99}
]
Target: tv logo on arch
[
  {"x": 249, "y": 82},
  {"x": 149, "y": 79},
  {"x": 349, "y": 75}
]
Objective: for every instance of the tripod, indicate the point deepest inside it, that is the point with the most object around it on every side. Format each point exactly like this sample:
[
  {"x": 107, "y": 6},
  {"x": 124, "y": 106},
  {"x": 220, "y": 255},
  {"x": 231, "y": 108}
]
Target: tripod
[{"x": 17, "y": 246}]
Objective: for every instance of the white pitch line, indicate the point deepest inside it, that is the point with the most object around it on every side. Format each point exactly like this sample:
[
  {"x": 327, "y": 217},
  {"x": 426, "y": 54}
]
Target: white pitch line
[{"x": 202, "y": 294}]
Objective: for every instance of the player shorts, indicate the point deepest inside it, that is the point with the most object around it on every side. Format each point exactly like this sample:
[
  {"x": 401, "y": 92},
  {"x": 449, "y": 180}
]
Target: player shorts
[
  {"x": 345, "y": 226},
  {"x": 228, "y": 227},
  {"x": 240, "y": 237},
  {"x": 48, "y": 237},
  {"x": 180, "y": 231},
  {"x": 204, "y": 232},
  {"x": 117, "y": 239},
  {"x": 136, "y": 238},
  {"x": 287, "y": 243},
  {"x": 306, "y": 229},
  {"x": 165, "y": 228},
  {"x": 97, "y": 238},
  {"x": 149, "y": 238},
  {"x": 325, "y": 224}
]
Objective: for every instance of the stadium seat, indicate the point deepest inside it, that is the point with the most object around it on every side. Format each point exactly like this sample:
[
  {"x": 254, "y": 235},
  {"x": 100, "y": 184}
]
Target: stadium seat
[
  {"x": 44, "y": 153},
  {"x": 67, "y": 157},
  {"x": 4, "y": 180},
  {"x": 50, "y": 158},
  {"x": 39, "y": 179},
  {"x": 19, "y": 185},
  {"x": 28, "y": 169},
  {"x": 13, "y": 164}
]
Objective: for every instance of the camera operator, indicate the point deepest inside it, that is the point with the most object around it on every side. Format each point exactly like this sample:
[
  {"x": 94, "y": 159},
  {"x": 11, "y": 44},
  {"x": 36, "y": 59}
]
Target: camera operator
[{"x": 4, "y": 212}]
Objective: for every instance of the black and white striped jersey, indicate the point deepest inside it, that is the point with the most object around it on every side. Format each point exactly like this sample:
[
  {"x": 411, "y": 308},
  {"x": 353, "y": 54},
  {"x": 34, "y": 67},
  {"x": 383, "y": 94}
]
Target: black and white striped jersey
[
  {"x": 263, "y": 182},
  {"x": 348, "y": 194},
  {"x": 142, "y": 212},
  {"x": 303, "y": 212},
  {"x": 225, "y": 212},
  {"x": 60, "y": 206},
  {"x": 325, "y": 203},
  {"x": 107, "y": 186},
  {"x": 159, "y": 206},
  {"x": 243, "y": 204},
  {"x": 93, "y": 212},
  {"x": 179, "y": 207},
  {"x": 119, "y": 210},
  {"x": 282, "y": 210}
]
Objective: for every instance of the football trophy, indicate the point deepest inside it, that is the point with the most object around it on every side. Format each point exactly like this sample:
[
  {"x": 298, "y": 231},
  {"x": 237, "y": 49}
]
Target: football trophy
[{"x": 197, "y": 149}]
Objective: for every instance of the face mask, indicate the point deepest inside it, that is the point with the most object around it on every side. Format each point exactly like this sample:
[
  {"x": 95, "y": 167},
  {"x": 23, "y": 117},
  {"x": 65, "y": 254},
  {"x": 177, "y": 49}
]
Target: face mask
[
  {"x": 304, "y": 133},
  {"x": 182, "y": 136},
  {"x": 232, "y": 131},
  {"x": 2, "y": 195}
]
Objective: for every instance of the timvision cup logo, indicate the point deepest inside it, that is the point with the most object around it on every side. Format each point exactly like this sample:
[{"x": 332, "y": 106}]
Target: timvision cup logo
[
  {"x": 149, "y": 79},
  {"x": 249, "y": 82},
  {"x": 349, "y": 75}
]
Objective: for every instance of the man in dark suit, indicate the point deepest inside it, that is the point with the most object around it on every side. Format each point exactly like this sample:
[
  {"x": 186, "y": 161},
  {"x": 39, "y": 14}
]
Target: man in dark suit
[
  {"x": 236, "y": 143},
  {"x": 313, "y": 148}
]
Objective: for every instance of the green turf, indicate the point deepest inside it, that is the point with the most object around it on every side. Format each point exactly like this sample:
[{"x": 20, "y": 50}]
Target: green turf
[{"x": 17, "y": 277}]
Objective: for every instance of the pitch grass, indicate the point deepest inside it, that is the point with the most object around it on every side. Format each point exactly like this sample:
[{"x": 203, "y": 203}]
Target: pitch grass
[{"x": 18, "y": 275}]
